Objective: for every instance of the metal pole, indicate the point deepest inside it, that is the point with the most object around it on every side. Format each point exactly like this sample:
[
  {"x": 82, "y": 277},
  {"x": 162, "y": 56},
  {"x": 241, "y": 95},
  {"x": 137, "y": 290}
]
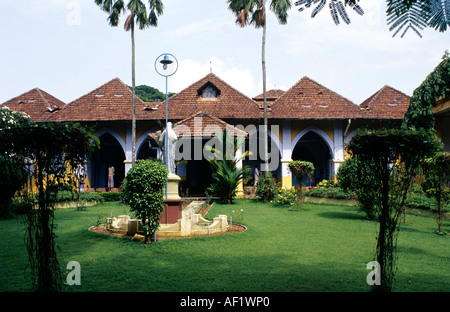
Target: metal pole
[{"x": 167, "y": 141}]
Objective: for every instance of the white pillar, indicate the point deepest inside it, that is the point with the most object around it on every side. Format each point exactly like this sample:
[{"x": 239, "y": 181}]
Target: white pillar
[
  {"x": 338, "y": 147},
  {"x": 128, "y": 148},
  {"x": 286, "y": 155}
]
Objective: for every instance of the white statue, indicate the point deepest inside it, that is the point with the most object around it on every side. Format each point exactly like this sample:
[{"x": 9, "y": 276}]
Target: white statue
[{"x": 172, "y": 137}]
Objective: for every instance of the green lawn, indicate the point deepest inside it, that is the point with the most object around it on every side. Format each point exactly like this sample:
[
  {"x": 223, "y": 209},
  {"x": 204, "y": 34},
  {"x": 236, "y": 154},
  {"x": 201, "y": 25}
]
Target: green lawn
[{"x": 322, "y": 248}]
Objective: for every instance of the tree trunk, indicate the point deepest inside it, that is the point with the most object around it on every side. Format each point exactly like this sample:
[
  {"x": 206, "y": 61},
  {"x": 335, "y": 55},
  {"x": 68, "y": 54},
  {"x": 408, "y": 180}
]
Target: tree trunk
[
  {"x": 266, "y": 126},
  {"x": 133, "y": 79}
]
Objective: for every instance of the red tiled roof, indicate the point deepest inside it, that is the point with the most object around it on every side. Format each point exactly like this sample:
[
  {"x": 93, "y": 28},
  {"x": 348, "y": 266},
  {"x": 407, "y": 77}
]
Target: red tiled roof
[
  {"x": 386, "y": 103},
  {"x": 271, "y": 94},
  {"x": 209, "y": 125},
  {"x": 229, "y": 103},
  {"x": 201, "y": 124},
  {"x": 36, "y": 103},
  {"x": 111, "y": 101},
  {"x": 308, "y": 99}
]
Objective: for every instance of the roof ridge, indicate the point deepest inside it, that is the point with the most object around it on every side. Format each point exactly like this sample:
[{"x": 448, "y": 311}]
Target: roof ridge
[
  {"x": 371, "y": 99},
  {"x": 18, "y": 96},
  {"x": 305, "y": 78},
  {"x": 218, "y": 78}
]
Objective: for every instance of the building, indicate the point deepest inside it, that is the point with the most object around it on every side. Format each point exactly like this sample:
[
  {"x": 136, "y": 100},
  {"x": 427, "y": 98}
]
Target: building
[{"x": 307, "y": 122}]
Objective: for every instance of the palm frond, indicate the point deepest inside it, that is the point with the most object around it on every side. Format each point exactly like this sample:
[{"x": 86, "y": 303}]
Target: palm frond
[
  {"x": 418, "y": 14},
  {"x": 439, "y": 15},
  {"x": 337, "y": 8},
  {"x": 280, "y": 9},
  {"x": 407, "y": 16}
]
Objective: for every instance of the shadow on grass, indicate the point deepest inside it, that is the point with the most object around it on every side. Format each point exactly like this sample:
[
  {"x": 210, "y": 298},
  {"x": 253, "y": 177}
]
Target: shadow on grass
[{"x": 342, "y": 215}]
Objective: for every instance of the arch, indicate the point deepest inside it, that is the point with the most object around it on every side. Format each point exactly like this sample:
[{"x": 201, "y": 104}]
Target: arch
[
  {"x": 319, "y": 132},
  {"x": 353, "y": 133},
  {"x": 119, "y": 139},
  {"x": 255, "y": 159},
  {"x": 313, "y": 148},
  {"x": 111, "y": 153},
  {"x": 142, "y": 141}
]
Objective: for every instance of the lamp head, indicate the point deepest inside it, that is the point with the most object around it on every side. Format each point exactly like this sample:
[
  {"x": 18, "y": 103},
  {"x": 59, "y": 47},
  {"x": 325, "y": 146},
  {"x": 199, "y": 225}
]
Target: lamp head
[{"x": 166, "y": 61}]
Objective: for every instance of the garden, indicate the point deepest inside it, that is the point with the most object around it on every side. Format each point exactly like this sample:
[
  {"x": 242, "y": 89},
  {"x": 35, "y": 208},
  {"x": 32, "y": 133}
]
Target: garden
[{"x": 321, "y": 248}]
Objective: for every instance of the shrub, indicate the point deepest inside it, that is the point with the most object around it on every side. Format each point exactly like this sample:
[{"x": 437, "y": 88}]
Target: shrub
[
  {"x": 111, "y": 196},
  {"x": 143, "y": 189},
  {"x": 286, "y": 197},
  {"x": 300, "y": 168},
  {"x": 366, "y": 190},
  {"x": 330, "y": 192},
  {"x": 266, "y": 188}
]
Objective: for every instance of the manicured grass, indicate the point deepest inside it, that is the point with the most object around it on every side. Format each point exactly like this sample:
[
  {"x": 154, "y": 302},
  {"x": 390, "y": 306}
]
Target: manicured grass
[{"x": 322, "y": 248}]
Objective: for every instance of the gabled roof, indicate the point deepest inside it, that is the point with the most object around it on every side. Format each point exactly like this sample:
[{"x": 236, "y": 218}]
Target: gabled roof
[
  {"x": 111, "y": 101},
  {"x": 201, "y": 124},
  {"x": 271, "y": 97},
  {"x": 386, "y": 103},
  {"x": 308, "y": 99},
  {"x": 229, "y": 103},
  {"x": 36, "y": 103}
]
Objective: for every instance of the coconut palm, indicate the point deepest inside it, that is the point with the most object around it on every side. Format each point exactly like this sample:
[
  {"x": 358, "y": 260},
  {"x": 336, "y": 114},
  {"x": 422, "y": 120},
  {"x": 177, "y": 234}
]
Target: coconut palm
[
  {"x": 137, "y": 15},
  {"x": 254, "y": 12}
]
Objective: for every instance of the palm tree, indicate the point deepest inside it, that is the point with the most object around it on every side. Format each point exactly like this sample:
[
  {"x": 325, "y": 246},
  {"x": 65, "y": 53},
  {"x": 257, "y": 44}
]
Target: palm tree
[
  {"x": 254, "y": 12},
  {"x": 226, "y": 173},
  {"x": 138, "y": 15}
]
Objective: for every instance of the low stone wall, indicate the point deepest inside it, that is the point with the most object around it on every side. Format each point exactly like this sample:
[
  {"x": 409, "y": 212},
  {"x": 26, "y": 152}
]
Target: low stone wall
[{"x": 74, "y": 204}]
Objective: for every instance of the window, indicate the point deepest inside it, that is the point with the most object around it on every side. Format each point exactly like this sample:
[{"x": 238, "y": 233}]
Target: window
[{"x": 209, "y": 93}]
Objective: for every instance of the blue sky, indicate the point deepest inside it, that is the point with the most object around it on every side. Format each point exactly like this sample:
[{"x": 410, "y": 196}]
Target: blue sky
[{"x": 67, "y": 48}]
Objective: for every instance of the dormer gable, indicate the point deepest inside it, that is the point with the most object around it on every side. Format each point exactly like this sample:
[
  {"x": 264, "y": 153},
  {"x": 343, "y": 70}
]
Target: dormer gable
[{"x": 209, "y": 91}]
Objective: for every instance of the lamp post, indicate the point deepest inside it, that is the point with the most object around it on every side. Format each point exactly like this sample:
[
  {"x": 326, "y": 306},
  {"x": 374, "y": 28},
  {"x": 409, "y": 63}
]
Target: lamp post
[{"x": 166, "y": 65}]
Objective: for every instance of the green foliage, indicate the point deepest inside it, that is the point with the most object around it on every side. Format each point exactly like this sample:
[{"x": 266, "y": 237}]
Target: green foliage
[
  {"x": 366, "y": 188},
  {"x": 51, "y": 148},
  {"x": 14, "y": 173},
  {"x": 285, "y": 197},
  {"x": 394, "y": 157},
  {"x": 225, "y": 172},
  {"x": 300, "y": 168},
  {"x": 335, "y": 192},
  {"x": 111, "y": 196},
  {"x": 143, "y": 190},
  {"x": 266, "y": 188},
  {"x": 14, "y": 178},
  {"x": 150, "y": 94},
  {"x": 434, "y": 87},
  {"x": 437, "y": 171}
]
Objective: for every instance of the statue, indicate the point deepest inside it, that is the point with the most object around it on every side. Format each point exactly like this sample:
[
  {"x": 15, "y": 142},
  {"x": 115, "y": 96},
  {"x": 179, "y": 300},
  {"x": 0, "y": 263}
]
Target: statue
[{"x": 172, "y": 137}]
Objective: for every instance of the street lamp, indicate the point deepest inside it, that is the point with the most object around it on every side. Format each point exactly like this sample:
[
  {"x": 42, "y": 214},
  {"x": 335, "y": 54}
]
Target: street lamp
[{"x": 166, "y": 60}]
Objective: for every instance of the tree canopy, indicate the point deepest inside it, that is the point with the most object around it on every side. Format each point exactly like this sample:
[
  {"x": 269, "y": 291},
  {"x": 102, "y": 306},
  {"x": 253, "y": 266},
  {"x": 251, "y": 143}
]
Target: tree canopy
[
  {"x": 434, "y": 87},
  {"x": 150, "y": 94}
]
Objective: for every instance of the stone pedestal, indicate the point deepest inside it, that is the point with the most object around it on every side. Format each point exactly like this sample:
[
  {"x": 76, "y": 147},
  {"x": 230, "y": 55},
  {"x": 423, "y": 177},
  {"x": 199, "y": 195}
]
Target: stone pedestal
[
  {"x": 174, "y": 204},
  {"x": 172, "y": 188},
  {"x": 172, "y": 212}
]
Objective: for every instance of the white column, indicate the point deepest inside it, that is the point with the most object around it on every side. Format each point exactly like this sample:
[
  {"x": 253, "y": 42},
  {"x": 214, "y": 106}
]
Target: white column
[
  {"x": 286, "y": 155},
  {"x": 239, "y": 153},
  {"x": 338, "y": 150},
  {"x": 128, "y": 148}
]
